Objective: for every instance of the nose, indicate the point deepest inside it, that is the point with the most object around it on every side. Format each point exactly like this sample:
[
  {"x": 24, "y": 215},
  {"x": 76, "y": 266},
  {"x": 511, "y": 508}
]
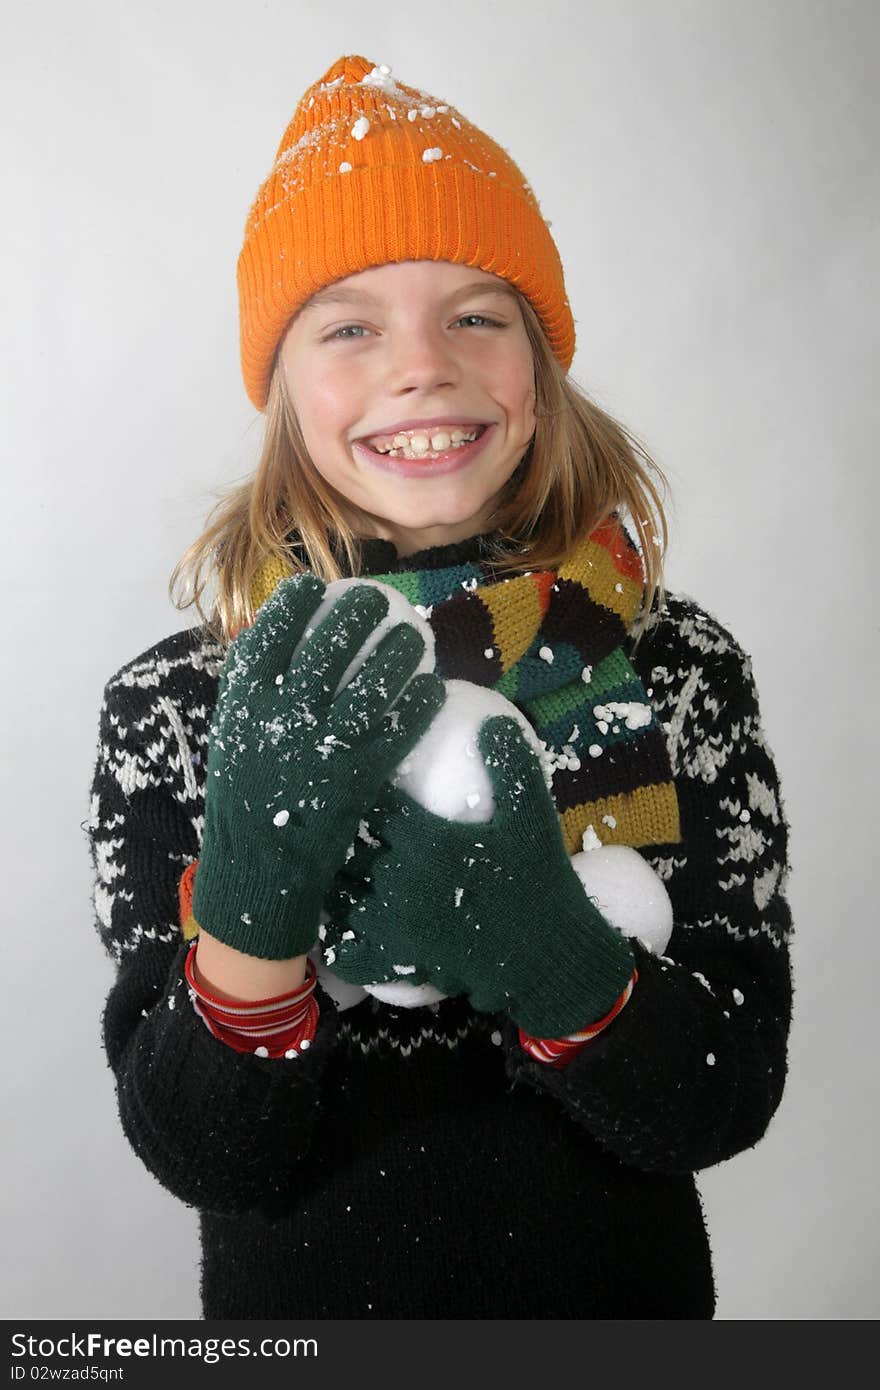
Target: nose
[{"x": 422, "y": 360}]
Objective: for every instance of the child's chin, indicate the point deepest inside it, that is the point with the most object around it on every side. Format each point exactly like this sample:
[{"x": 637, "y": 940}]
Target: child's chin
[{"x": 404, "y": 995}]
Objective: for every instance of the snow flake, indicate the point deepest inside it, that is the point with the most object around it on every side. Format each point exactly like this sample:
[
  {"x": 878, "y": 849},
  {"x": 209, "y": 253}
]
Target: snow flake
[
  {"x": 360, "y": 128},
  {"x": 634, "y": 714},
  {"x": 590, "y": 840},
  {"x": 364, "y": 834},
  {"x": 429, "y": 156},
  {"x": 710, "y": 1059},
  {"x": 381, "y": 77},
  {"x": 345, "y": 167},
  {"x": 281, "y": 818},
  {"x": 546, "y": 654}
]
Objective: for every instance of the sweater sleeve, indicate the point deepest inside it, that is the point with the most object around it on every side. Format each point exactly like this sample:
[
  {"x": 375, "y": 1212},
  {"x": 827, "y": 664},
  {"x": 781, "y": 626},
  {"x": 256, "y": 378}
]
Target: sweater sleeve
[
  {"x": 693, "y": 1069},
  {"x": 221, "y": 1130}
]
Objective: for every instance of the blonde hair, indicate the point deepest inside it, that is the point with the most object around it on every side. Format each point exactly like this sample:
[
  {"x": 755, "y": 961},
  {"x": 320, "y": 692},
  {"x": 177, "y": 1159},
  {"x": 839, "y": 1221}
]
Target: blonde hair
[{"x": 581, "y": 467}]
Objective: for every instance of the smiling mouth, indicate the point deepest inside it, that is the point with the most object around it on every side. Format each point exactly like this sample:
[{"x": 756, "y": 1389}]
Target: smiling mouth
[
  {"x": 431, "y": 463},
  {"x": 415, "y": 455}
]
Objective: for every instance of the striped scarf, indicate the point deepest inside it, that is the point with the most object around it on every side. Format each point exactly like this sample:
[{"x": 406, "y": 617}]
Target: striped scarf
[{"x": 553, "y": 642}]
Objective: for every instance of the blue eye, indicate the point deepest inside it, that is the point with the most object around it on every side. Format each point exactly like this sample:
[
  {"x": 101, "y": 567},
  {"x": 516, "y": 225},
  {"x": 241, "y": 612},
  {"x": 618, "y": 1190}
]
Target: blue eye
[
  {"x": 348, "y": 328},
  {"x": 344, "y": 329}
]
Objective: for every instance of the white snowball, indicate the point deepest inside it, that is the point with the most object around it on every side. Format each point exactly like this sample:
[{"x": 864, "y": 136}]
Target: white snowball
[
  {"x": 444, "y": 772},
  {"x": 400, "y": 610},
  {"x": 627, "y": 891},
  {"x": 405, "y": 996}
]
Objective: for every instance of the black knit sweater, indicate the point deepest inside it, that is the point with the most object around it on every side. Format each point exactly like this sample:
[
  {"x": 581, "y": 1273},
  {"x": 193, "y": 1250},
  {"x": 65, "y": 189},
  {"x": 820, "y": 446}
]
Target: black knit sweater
[{"x": 417, "y": 1163}]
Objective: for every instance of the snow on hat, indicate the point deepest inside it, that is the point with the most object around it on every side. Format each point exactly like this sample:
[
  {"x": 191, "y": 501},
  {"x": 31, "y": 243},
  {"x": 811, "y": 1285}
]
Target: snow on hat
[{"x": 370, "y": 171}]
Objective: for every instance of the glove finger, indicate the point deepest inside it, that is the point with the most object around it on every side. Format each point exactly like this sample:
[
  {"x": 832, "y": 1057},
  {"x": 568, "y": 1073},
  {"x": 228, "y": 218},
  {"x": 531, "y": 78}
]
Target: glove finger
[
  {"x": 360, "y": 856},
  {"x": 319, "y": 665},
  {"x": 262, "y": 651},
  {"x": 513, "y": 765},
  {"x": 376, "y": 686},
  {"x": 358, "y": 963},
  {"x": 488, "y": 1000},
  {"x": 349, "y": 951},
  {"x": 410, "y": 718}
]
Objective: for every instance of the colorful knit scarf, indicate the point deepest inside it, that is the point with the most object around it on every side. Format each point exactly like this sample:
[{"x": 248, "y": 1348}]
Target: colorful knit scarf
[{"x": 553, "y": 643}]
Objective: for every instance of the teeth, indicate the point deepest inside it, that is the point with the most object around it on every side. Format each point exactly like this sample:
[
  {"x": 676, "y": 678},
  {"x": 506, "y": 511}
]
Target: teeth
[{"x": 419, "y": 443}]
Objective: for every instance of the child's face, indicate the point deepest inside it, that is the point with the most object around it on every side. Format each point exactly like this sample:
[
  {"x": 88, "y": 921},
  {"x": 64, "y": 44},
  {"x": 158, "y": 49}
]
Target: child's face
[{"x": 413, "y": 350}]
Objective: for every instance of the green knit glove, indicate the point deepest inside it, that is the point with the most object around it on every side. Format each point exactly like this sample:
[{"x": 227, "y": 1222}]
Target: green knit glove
[
  {"x": 493, "y": 910},
  {"x": 292, "y": 768}
]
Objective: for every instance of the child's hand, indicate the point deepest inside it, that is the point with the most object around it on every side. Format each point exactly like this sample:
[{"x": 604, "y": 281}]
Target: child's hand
[
  {"x": 292, "y": 768},
  {"x": 492, "y": 910}
]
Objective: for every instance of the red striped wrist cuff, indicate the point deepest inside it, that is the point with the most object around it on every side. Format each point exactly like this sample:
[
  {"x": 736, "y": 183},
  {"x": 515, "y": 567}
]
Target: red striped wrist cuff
[
  {"x": 281, "y": 1026},
  {"x": 558, "y": 1052}
]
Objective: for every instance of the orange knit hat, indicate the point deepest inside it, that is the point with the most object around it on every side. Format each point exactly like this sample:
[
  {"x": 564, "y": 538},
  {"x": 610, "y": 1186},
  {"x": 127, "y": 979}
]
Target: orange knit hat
[{"x": 368, "y": 172}]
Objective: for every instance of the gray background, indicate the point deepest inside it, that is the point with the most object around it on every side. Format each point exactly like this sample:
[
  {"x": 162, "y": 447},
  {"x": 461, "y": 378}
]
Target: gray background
[{"x": 709, "y": 170}]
